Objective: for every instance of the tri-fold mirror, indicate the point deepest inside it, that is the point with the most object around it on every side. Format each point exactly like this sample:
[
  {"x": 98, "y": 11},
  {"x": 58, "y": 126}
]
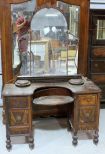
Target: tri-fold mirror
[{"x": 45, "y": 41}]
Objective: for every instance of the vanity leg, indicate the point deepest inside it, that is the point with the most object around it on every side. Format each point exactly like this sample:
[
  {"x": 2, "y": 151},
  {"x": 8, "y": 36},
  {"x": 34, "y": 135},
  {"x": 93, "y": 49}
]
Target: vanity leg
[
  {"x": 75, "y": 139},
  {"x": 96, "y": 136},
  {"x": 8, "y": 144},
  {"x": 31, "y": 142},
  {"x": 68, "y": 121}
]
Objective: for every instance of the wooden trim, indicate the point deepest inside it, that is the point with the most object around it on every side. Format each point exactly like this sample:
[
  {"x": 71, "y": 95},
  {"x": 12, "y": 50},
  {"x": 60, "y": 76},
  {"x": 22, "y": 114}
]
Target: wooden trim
[
  {"x": 83, "y": 42},
  {"x": 6, "y": 42},
  {"x": 16, "y": 1}
]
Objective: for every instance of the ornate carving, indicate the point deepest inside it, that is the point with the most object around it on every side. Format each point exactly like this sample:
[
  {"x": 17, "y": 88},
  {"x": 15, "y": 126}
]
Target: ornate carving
[
  {"x": 19, "y": 117},
  {"x": 87, "y": 114}
]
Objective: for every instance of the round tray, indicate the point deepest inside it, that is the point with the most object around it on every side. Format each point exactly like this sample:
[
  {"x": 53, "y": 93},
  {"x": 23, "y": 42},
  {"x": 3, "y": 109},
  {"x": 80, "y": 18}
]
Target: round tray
[
  {"x": 22, "y": 83},
  {"x": 76, "y": 81}
]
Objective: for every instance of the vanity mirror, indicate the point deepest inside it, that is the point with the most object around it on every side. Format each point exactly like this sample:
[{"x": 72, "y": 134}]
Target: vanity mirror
[
  {"x": 52, "y": 43},
  {"x": 46, "y": 42}
]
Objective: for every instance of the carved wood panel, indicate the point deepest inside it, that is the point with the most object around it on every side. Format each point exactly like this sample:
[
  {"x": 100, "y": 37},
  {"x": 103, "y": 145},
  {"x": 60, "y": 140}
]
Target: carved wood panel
[
  {"x": 87, "y": 114},
  {"x": 19, "y": 117}
]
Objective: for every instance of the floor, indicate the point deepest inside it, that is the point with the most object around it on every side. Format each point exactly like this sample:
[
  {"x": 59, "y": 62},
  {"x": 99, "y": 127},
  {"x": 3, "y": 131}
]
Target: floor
[{"x": 52, "y": 137}]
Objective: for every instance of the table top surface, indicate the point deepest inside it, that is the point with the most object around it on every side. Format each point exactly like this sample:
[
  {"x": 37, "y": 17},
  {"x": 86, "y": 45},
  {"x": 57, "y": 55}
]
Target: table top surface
[{"x": 13, "y": 90}]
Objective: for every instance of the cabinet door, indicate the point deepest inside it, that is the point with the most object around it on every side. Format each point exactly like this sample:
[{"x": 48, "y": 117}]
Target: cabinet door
[
  {"x": 19, "y": 117},
  {"x": 87, "y": 117}
]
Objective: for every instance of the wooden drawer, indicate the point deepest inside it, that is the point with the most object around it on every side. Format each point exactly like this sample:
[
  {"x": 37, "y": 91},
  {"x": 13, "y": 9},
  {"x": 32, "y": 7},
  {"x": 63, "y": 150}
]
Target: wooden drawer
[
  {"x": 98, "y": 78},
  {"x": 98, "y": 52},
  {"x": 87, "y": 99},
  {"x": 19, "y": 102},
  {"x": 19, "y": 117},
  {"x": 98, "y": 66}
]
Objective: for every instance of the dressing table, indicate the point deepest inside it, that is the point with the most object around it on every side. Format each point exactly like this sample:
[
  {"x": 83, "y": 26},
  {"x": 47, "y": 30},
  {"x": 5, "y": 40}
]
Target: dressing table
[
  {"x": 18, "y": 107},
  {"x": 68, "y": 20}
]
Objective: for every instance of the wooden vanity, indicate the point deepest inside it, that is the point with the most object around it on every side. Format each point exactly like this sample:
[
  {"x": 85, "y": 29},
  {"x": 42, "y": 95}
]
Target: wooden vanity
[{"x": 18, "y": 107}]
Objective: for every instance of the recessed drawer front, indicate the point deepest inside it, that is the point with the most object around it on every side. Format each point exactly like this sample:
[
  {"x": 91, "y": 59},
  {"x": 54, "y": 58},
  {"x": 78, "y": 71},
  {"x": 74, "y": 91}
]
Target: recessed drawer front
[
  {"x": 98, "y": 52},
  {"x": 98, "y": 66},
  {"x": 19, "y": 117},
  {"x": 87, "y": 99},
  {"x": 19, "y": 102}
]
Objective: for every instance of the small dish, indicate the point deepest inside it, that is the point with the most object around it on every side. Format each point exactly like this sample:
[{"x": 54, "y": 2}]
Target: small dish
[
  {"x": 76, "y": 81},
  {"x": 22, "y": 83}
]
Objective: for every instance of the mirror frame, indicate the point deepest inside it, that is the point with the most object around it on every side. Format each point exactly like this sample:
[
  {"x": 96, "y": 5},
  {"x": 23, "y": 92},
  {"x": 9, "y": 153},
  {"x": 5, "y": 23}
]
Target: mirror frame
[{"x": 6, "y": 33}]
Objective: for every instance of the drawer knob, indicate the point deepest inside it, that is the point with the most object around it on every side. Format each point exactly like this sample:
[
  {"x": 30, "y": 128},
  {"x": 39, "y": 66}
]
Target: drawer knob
[
  {"x": 88, "y": 100},
  {"x": 96, "y": 65}
]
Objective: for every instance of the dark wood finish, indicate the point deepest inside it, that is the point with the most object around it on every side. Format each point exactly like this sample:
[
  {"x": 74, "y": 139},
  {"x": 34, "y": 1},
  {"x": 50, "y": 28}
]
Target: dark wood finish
[
  {"x": 96, "y": 67},
  {"x": 18, "y": 111},
  {"x": 98, "y": 52},
  {"x": 6, "y": 43},
  {"x": 84, "y": 113}
]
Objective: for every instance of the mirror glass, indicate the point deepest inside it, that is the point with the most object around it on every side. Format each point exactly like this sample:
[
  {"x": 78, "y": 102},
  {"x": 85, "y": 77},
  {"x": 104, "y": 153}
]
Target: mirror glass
[
  {"x": 21, "y": 18},
  {"x": 100, "y": 29},
  {"x": 45, "y": 43}
]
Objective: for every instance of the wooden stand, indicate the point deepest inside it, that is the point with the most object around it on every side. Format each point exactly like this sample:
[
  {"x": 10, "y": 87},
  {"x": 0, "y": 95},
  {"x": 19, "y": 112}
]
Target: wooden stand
[{"x": 18, "y": 109}]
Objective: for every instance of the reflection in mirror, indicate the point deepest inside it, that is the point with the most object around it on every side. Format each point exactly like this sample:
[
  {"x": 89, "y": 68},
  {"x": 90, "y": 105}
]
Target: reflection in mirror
[
  {"x": 46, "y": 43},
  {"x": 100, "y": 29},
  {"x": 21, "y": 18}
]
